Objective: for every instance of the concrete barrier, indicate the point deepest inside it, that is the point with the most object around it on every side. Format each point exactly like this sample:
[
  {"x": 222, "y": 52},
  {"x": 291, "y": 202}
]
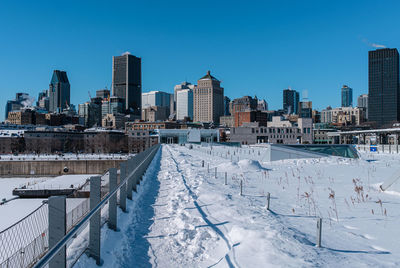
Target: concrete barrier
[{"x": 56, "y": 167}]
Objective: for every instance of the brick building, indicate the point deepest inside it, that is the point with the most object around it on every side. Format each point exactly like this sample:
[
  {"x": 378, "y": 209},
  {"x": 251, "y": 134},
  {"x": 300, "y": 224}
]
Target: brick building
[
  {"x": 94, "y": 142},
  {"x": 250, "y": 116}
]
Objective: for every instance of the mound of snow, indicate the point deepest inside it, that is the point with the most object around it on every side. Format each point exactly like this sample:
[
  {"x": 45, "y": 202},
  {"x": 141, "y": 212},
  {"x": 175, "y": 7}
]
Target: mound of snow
[
  {"x": 228, "y": 167},
  {"x": 249, "y": 164}
]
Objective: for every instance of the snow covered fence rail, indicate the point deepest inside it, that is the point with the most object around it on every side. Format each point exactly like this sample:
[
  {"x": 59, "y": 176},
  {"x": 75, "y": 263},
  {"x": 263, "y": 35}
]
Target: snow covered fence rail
[{"x": 131, "y": 173}]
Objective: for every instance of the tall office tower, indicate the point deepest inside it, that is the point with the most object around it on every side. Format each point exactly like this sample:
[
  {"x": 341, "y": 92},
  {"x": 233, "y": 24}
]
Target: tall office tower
[
  {"x": 347, "y": 96},
  {"x": 103, "y": 93},
  {"x": 184, "y": 104},
  {"x": 182, "y": 86},
  {"x": 91, "y": 113},
  {"x": 156, "y": 98},
  {"x": 290, "y": 101},
  {"x": 362, "y": 102},
  {"x": 113, "y": 105},
  {"x": 21, "y": 101},
  {"x": 305, "y": 107},
  {"x": 177, "y": 88},
  {"x": 383, "y": 86},
  {"x": 227, "y": 102},
  {"x": 43, "y": 100},
  {"x": 208, "y": 99},
  {"x": 59, "y": 92},
  {"x": 127, "y": 81}
]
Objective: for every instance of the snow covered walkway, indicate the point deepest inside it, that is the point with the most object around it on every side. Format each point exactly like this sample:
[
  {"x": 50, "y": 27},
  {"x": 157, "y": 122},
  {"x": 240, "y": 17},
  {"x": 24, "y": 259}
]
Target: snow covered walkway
[{"x": 184, "y": 217}]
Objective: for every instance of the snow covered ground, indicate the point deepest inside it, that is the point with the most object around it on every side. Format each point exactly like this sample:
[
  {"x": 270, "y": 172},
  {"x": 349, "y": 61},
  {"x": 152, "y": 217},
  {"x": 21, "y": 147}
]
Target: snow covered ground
[
  {"x": 185, "y": 217},
  {"x": 19, "y": 208}
]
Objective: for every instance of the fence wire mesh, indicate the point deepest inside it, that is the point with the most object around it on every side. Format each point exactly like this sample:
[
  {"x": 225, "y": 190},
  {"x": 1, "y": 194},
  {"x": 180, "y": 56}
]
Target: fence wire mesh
[
  {"x": 26, "y": 241},
  {"x": 77, "y": 213}
]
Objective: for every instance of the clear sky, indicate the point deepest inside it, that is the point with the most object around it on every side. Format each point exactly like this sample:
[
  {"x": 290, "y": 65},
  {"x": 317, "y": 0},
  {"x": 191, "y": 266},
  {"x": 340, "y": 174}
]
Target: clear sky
[{"x": 253, "y": 47}]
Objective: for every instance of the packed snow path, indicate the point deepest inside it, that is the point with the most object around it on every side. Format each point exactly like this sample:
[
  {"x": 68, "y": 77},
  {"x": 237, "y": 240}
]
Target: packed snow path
[{"x": 183, "y": 216}]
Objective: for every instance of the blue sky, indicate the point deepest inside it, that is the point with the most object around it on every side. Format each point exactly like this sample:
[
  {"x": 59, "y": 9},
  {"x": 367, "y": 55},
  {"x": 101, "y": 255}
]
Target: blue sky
[{"x": 253, "y": 47}]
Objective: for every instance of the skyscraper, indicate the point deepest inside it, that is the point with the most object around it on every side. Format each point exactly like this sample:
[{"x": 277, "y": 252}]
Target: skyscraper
[
  {"x": 21, "y": 100},
  {"x": 43, "y": 100},
  {"x": 305, "y": 109},
  {"x": 290, "y": 101},
  {"x": 347, "y": 96},
  {"x": 177, "y": 88},
  {"x": 208, "y": 99},
  {"x": 156, "y": 98},
  {"x": 103, "y": 93},
  {"x": 182, "y": 86},
  {"x": 227, "y": 102},
  {"x": 113, "y": 105},
  {"x": 127, "y": 81},
  {"x": 59, "y": 92},
  {"x": 383, "y": 86},
  {"x": 184, "y": 104},
  {"x": 362, "y": 102}
]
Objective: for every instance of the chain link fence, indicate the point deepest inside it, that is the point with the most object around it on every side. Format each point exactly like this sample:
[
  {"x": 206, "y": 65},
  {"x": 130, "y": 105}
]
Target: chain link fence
[
  {"x": 77, "y": 213},
  {"x": 26, "y": 241}
]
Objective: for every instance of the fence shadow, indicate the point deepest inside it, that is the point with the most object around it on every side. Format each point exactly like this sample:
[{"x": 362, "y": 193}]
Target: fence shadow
[{"x": 142, "y": 219}]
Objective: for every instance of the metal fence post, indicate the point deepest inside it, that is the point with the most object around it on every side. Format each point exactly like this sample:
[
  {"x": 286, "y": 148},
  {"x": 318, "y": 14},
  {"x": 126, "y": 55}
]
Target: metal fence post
[
  {"x": 215, "y": 172},
  {"x": 241, "y": 187},
  {"x": 202, "y": 163},
  {"x": 226, "y": 178},
  {"x": 112, "y": 204},
  {"x": 95, "y": 224},
  {"x": 319, "y": 231},
  {"x": 268, "y": 200},
  {"x": 122, "y": 191},
  {"x": 57, "y": 229},
  {"x": 208, "y": 167}
]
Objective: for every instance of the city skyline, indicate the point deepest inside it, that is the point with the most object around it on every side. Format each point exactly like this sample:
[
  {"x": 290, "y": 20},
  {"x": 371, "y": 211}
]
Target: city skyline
[{"x": 263, "y": 72}]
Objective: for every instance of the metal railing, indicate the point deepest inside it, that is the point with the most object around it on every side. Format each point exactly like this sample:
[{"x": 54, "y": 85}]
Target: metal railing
[
  {"x": 25, "y": 241},
  {"x": 380, "y": 148},
  {"x": 134, "y": 170}
]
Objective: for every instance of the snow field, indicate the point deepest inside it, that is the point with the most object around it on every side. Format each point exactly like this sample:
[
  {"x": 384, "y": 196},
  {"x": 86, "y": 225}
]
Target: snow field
[{"x": 183, "y": 216}]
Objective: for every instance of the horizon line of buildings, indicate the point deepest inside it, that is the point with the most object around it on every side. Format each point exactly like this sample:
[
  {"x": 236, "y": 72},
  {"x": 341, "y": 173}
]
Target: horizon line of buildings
[{"x": 206, "y": 105}]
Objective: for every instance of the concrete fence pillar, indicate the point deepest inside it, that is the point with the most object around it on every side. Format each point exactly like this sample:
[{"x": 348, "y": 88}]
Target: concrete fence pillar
[
  {"x": 122, "y": 190},
  {"x": 135, "y": 179},
  {"x": 268, "y": 200},
  {"x": 57, "y": 229},
  {"x": 112, "y": 204},
  {"x": 129, "y": 183},
  {"x": 95, "y": 221}
]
